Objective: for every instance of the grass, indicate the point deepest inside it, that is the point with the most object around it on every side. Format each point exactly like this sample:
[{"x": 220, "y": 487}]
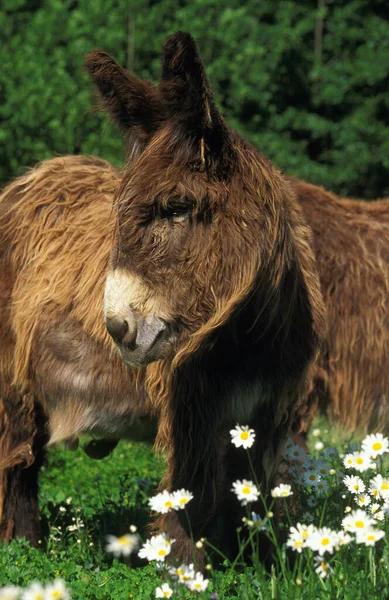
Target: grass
[{"x": 108, "y": 496}]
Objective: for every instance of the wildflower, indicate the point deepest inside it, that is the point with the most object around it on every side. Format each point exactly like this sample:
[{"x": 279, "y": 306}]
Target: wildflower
[
  {"x": 289, "y": 442},
  {"x": 35, "y": 591},
  {"x": 348, "y": 509},
  {"x": 62, "y": 509},
  {"x": 162, "y": 502},
  {"x": 69, "y": 500},
  {"x": 295, "y": 453},
  {"x": 344, "y": 538},
  {"x": 298, "y": 536},
  {"x": 181, "y": 498},
  {"x": 312, "y": 501},
  {"x": 124, "y": 545},
  {"x": 357, "y": 521},
  {"x": 157, "y": 548},
  {"x": 375, "y": 445},
  {"x": 331, "y": 453},
  {"x": 322, "y": 468},
  {"x": 133, "y": 528},
  {"x": 381, "y": 485},
  {"x": 311, "y": 478},
  {"x": 369, "y": 537},
  {"x": 322, "y": 567},
  {"x": 164, "y": 591},
  {"x": 257, "y": 522},
  {"x": 245, "y": 490},
  {"x": 9, "y": 592},
  {"x": 362, "y": 462},
  {"x": 184, "y": 573},
  {"x": 363, "y": 500},
  {"x": 316, "y": 432},
  {"x": 242, "y": 436},
  {"x": 319, "y": 446},
  {"x": 199, "y": 544},
  {"x": 323, "y": 540},
  {"x": 332, "y": 472},
  {"x": 349, "y": 461},
  {"x": 198, "y": 583},
  {"x": 354, "y": 484},
  {"x": 56, "y": 591},
  {"x": 282, "y": 491},
  {"x": 322, "y": 486}
]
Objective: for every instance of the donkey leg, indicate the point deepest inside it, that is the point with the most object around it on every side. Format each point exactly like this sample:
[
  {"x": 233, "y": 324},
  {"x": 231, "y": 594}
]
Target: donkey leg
[{"x": 22, "y": 439}]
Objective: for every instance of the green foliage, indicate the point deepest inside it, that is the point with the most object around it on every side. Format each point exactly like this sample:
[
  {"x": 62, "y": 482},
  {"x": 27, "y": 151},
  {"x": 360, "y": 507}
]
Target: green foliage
[{"x": 317, "y": 104}]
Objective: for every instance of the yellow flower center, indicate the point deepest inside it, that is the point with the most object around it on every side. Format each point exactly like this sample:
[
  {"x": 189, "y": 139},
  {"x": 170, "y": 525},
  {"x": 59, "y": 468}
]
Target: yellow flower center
[
  {"x": 356, "y": 486},
  {"x": 305, "y": 534},
  {"x": 161, "y": 552},
  {"x": 244, "y": 435},
  {"x": 168, "y": 504},
  {"x": 359, "y": 461},
  {"x": 246, "y": 490},
  {"x": 197, "y": 586},
  {"x": 325, "y": 541},
  {"x": 359, "y": 524},
  {"x": 375, "y": 492},
  {"x": 179, "y": 572},
  {"x": 183, "y": 500},
  {"x": 377, "y": 446},
  {"x": 349, "y": 461},
  {"x": 298, "y": 543},
  {"x": 384, "y": 486},
  {"x": 123, "y": 540},
  {"x": 284, "y": 493},
  {"x": 56, "y": 594},
  {"x": 38, "y": 596},
  {"x": 371, "y": 538},
  {"x": 312, "y": 477},
  {"x": 323, "y": 566},
  {"x": 166, "y": 593}
]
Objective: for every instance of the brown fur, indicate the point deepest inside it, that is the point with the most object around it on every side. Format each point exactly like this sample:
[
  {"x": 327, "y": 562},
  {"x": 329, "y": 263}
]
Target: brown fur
[{"x": 236, "y": 280}]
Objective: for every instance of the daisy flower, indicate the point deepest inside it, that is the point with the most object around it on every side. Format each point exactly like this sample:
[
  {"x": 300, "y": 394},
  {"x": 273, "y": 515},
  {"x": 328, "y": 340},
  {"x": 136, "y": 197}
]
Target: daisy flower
[
  {"x": 9, "y": 592},
  {"x": 157, "y": 548},
  {"x": 319, "y": 446},
  {"x": 344, "y": 538},
  {"x": 35, "y": 591},
  {"x": 354, "y": 484},
  {"x": 181, "y": 498},
  {"x": 322, "y": 568},
  {"x": 198, "y": 583},
  {"x": 362, "y": 462},
  {"x": 57, "y": 591},
  {"x": 164, "y": 591},
  {"x": 331, "y": 453},
  {"x": 322, "y": 468},
  {"x": 257, "y": 522},
  {"x": 376, "y": 444},
  {"x": 363, "y": 500},
  {"x": 122, "y": 546},
  {"x": 322, "y": 486},
  {"x": 282, "y": 491},
  {"x": 295, "y": 452},
  {"x": 245, "y": 491},
  {"x": 162, "y": 502},
  {"x": 298, "y": 536},
  {"x": 323, "y": 540},
  {"x": 242, "y": 436},
  {"x": 380, "y": 485},
  {"x": 349, "y": 461},
  {"x": 357, "y": 521},
  {"x": 184, "y": 573},
  {"x": 316, "y": 432},
  {"x": 369, "y": 537},
  {"x": 311, "y": 478}
]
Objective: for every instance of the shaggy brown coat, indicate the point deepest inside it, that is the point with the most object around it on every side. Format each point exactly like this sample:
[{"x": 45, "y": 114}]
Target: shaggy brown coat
[{"x": 236, "y": 279}]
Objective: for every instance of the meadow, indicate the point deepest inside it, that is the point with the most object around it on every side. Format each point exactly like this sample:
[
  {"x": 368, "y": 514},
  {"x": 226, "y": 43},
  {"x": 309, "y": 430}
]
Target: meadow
[{"x": 83, "y": 501}]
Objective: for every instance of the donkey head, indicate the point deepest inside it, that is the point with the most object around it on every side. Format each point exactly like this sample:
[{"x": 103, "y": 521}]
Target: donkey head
[{"x": 197, "y": 210}]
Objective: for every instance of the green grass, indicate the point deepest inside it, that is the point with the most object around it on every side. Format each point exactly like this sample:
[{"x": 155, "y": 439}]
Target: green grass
[{"x": 110, "y": 495}]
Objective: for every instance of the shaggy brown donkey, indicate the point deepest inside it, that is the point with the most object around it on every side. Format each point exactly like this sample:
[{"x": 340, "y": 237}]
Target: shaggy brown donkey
[{"x": 211, "y": 295}]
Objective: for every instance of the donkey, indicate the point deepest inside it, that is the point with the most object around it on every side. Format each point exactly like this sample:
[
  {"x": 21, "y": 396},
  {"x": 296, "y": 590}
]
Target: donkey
[{"x": 199, "y": 258}]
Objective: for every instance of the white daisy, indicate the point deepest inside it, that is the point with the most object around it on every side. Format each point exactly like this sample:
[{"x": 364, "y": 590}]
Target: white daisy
[
  {"x": 316, "y": 432},
  {"x": 282, "y": 491},
  {"x": 380, "y": 485},
  {"x": 181, "y": 498},
  {"x": 35, "y": 591},
  {"x": 349, "y": 461},
  {"x": 363, "y": 500},
  {"x": 299, "y": 535},
  {"x": 375, "y": 445},
  {"x": 162, "y": 503},
  {"x": 242, "y": 436},
  {"x": 122, "y": 546},
  {"x": 198, "y": 583},
  {"x": 354, "y": 484},
  {"x": 319, "y": 446},
  {"x": 322, "y": 568},
  {"x": 164, "y": 591},
  {"x": 357, "y": 521},
  {"x": 323, "y": 540},
  {"x": 245, "y": 490},
  {"x": 57, "y": 591},
  {"x": 362, "y": 462},
  {"x": 369, "y": 537},
  {"x": 344, "y": 538},
  {"x": 9, "y": 592},
  {"x": 157, "y": 548}
]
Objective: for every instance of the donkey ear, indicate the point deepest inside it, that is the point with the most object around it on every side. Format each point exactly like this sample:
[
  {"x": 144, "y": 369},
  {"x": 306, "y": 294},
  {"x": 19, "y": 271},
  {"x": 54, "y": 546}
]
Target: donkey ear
[
  {"x": 185, "y": 87},
  {"x": 133, "y": 104}
]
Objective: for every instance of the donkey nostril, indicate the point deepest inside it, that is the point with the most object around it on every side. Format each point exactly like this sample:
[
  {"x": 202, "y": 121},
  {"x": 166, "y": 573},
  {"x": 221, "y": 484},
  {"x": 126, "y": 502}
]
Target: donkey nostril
[{"x": 117, "y": 329}]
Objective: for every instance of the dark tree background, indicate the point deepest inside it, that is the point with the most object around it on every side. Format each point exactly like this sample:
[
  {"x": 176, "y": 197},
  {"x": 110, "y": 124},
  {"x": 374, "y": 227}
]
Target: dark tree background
[{"x": 306, "y": 81}]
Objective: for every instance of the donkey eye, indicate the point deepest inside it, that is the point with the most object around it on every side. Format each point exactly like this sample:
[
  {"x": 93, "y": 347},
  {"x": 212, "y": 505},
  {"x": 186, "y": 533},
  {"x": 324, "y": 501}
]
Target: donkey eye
[{"x": 175, "y": 210}]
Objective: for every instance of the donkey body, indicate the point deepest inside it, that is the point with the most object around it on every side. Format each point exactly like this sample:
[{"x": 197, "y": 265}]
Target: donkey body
[{"x": 210, "y": 293}]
